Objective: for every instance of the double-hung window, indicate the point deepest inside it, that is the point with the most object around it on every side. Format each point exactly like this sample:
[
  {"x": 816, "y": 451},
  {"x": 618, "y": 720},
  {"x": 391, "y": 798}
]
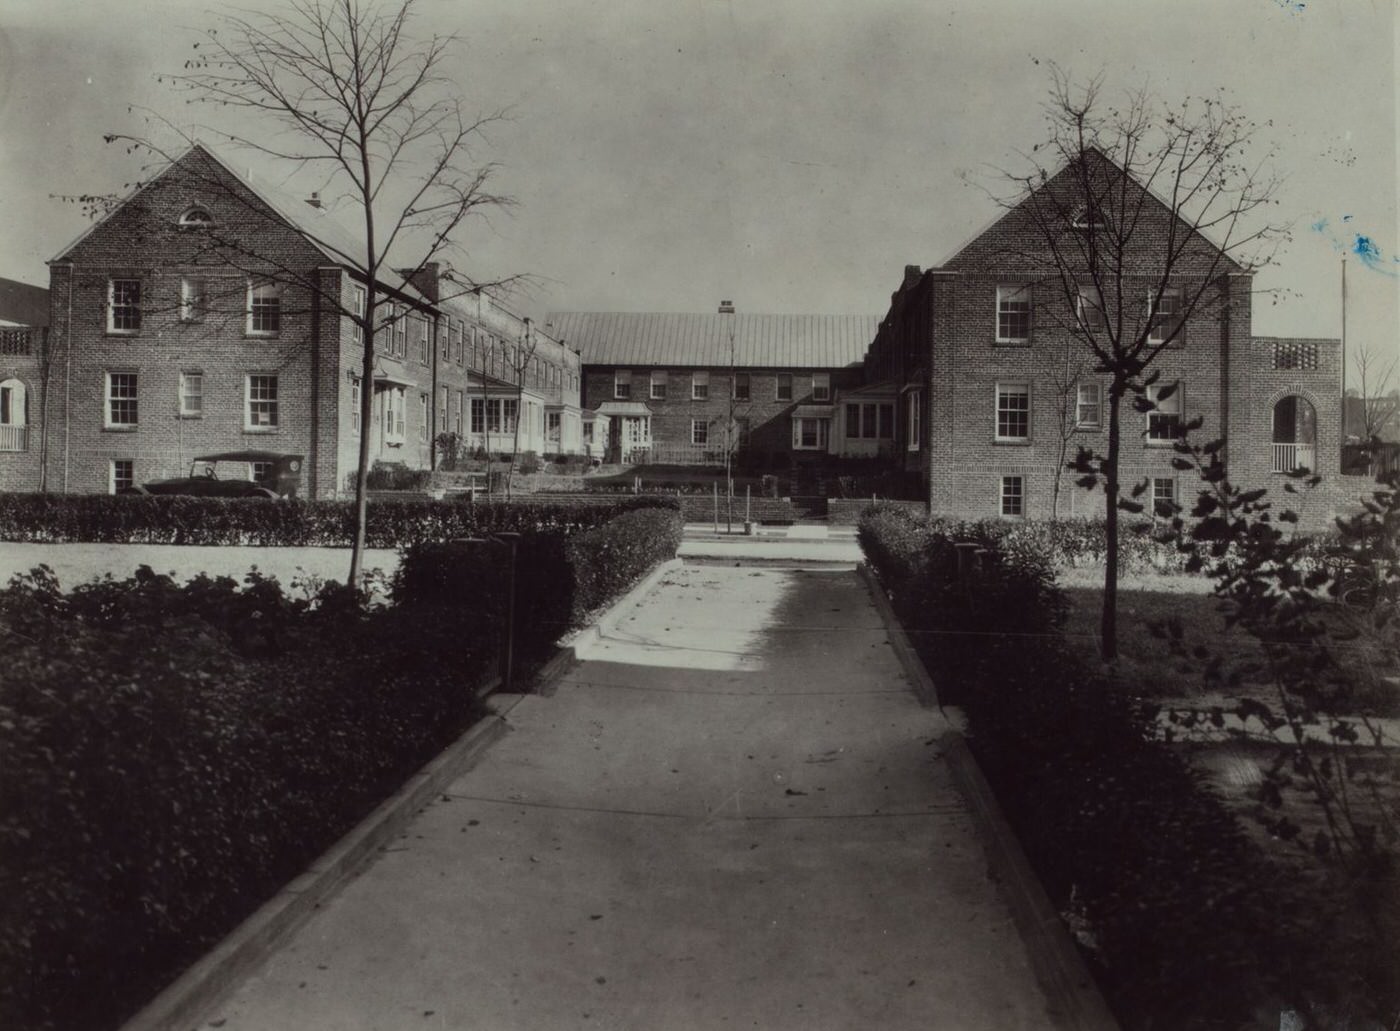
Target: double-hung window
[
  {"x": 457, "y": 412},
  {"x": 622, "y": 384},
  {"x": 821, "y": 386},
  {"x": 264, "y": 309},
  {"x": 916, "y": 413},
  {"x": 1013, "y": 314},
  {"x": 1013, "y": 496},
  {"x": 395, "y": 403},
  {"x": 260, "y": 403},
  {"x": 191, "y": 394},
  {"x": 658, "y": 385},
  {"x": 1164, "y": 421},
  {"x": 699, "y": 386},
  {"x": 699, "y": 431},
  {"x": 422, "y": 415},
  {"x": 398, "y": 342},
  {"x": 553, "y": 426},
  {"x": 421, "y": 329},
  {"x": 741, "y": 386},
  {"x": 1088, "y": 406},
  {"x": 1164, "y": 316},
  {"x": 121, "y": 407},
  {"x": 194, "y": 298},
  {"x": 478, "y": 415},
  {"x": 1163, "y": 496},
  {"x": 1089, "y": 309},
  {"x": 124, "y": 306},
  {"x": 1013, "y": 411},
  {"x": 809, "y": 434},
  {"x": 783, "y": 390},
  {"x": 356, "y": 399},
  {"x": 121, "y": 475},
  {"x": 357, "y": 308}
]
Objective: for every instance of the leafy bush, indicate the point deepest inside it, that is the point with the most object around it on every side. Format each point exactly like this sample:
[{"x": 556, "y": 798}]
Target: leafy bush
[
  {"x": 396, "y": 476},
  {"x": 155, "y": 519},
  {"x": 1189, "y": 923}
]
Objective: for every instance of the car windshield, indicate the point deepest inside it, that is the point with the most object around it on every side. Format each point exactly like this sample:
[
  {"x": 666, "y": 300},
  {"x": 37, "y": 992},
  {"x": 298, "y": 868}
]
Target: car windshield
[{"x": 202, "y": 471}]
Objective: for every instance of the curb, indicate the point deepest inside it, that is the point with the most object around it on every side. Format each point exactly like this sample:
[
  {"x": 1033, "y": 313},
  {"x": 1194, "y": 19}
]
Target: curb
[
  {"x": 605, "y": 623},
  {"x": 201, "y": 986},
  {"x": 913, "y": 666},
  {"x": 1074, "y": 997}
]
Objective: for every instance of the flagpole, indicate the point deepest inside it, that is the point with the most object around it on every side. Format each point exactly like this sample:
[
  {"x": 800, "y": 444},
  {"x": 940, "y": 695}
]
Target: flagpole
[{"x": 1344, "y": 349}]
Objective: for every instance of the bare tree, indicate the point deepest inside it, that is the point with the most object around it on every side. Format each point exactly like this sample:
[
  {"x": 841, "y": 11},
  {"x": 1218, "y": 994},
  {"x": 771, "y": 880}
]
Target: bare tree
[
  {"x": 1139, "y": 212},
  {"x": 344, "y": 89},
  {"x": 1065, "y": 381},
  {"x": 519, "y": 359},
  {"x": 1380, "y": 402}
]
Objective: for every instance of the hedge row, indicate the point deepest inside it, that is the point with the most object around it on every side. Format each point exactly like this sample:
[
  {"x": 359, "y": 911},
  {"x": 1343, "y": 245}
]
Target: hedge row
[
  {"x": 1190, "y": 923},
  {"x": 153, "y": 519},
  {"x": 171, "y": 755}
]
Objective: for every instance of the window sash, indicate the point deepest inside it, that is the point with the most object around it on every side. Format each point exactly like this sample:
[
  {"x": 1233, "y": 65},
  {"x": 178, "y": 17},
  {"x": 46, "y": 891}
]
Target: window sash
[
  {"x": 264, "y": 309},
  {"x": 478, "y": 415},
  {"x": 821, "y": 386},
  {"x": 658, "y": 386},
  {"x": 261, "y": 393},
  {"x": 1163, "y": 496},
  {"x": 191, "y": 393},
  {"x": 194, "y": 298},
  {"x": 1165, "y": 423},
  {"x": 124, "y": 305},
  {"x": 122, "y": 400},
  {"x": 915, "y": 418},
  {"x": 1165, "y": 318},
  {"x": 1013, "y": 314},
  {"x": 699, "y": 386},
  {"x": 1089, "y": 309},
  {"x": 783, "y": 387},
  {"x": 123, "y": 474},
  {"x": 356, "y": 399},
  {"x": 741, "y": 386},
  {"x": 622, "y": 385},
  {"x": 1088, "y": 407},
  {"x": 1013, "y": 495},
  {"x": 699, "y": 431},
  {"x": 1013, "y": 412}
]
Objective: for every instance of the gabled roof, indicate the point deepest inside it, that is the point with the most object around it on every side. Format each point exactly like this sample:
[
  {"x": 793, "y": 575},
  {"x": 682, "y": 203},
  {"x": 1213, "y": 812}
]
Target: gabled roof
[
  {"x": 1054, "y": 181},
  {"x": 318, "y": 227},
  {"x": 662, "y": 339}
]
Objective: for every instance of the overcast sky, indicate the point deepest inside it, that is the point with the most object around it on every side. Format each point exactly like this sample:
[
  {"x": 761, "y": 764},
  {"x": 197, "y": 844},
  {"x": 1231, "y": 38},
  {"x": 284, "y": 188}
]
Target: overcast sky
[{"x": 793, "y": 155}]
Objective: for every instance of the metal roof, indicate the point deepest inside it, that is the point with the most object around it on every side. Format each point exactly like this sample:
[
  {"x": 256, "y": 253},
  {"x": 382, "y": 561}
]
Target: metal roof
[{"x": 663, "y": 339}]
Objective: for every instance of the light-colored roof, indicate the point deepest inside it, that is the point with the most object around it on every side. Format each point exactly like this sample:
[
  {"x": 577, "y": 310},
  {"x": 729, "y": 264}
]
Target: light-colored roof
[
  {"x": 662, "y": 339},
  {"x": 623, "y": 408}
]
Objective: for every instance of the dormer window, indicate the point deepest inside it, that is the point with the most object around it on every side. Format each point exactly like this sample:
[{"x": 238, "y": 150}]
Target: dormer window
[{"x": 196, "y": 217}]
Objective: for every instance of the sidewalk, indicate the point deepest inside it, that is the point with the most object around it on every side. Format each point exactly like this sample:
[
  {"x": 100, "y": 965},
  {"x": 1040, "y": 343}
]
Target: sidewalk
[
  {"x": 816, "y": 545},
  {"x": 733, "y": 813}
]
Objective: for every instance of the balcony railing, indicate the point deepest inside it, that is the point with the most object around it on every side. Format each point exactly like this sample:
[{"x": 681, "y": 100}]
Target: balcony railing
[
  {"x": 1288, "y": 457},
  {"x": 14, "y": 438}
]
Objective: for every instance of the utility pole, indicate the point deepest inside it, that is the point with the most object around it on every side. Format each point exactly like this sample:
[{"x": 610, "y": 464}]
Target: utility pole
[{"x": 727, "y": 308}]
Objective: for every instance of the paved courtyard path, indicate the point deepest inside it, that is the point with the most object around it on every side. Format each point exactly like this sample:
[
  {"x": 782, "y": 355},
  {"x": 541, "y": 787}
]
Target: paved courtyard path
[{"x": 732, "y": 814}]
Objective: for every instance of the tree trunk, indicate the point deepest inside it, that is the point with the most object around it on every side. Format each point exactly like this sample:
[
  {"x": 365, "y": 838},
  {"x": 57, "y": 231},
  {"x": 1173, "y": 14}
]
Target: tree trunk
[
  {"x": 1108, "y": 627},
  {"x": 357, "y": 547}
]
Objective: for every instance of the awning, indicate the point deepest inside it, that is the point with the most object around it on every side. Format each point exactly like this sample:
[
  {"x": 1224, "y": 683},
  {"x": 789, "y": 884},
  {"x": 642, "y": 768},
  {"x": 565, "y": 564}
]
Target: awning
[
  {"x": 623, "y": 408},
  {"x": 813, "y": 411},
  {"x": 394, "y": 380}
]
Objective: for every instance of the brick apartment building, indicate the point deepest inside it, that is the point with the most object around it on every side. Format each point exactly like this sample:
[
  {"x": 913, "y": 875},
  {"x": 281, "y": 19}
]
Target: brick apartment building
[
  {"x": 987, "y": 354},
  {"x": 666, "y": 385},
  {"x": 24, "y": 319},
  {"x": 207, "y": 313}
]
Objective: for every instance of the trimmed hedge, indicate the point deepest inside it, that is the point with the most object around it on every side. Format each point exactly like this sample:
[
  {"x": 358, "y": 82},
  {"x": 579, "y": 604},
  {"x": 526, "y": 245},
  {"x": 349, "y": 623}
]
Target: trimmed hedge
[
  {"x": 171, "y": 755},
  {"x": 175, "y": 519},
  {"x": 1191, "y": 924}
]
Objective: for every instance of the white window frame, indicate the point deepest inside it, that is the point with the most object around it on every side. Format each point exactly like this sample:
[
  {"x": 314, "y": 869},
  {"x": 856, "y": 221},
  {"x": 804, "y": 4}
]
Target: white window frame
[
  {"x": 191, "y": 378},
  {"x": 1018, "y": 496},
  {"x": 699, "y": 432},
  {"x": 622, "y": 384},
  {"x": 656, "y": 385},
  {"x": 194, "y": 298},
  {"x": 356, "y": 399},
  {"x": 554, "y": 426},
  {"x": 395, "y": 406},
  {"x": 115, "y": 482},
  {"x": 1082, "y": 406},
  {"x": 821, "y": 386},
  {"x": 251, "y": 424},
  {"x": 822, "y": 433},
  {"x": 1168, "y": 316},
  {"x": 358, "y": 298},
  {"x": 1089, "y": 309},
  {"x": 1169, "y": 498},
  {"x": 1010, "y": 389},
  {"x": 742, "y": 377},
  {"x": 196, "y": 217},
  {"x": 778, "y": 382},
  {"x": 424, "y": 351},
  {"x": 1009, "y": 297},
  {"x": 1172, "y": 408},
  {"x": 915, "y": 417},
  {"x": 14, "y": 402},
  {"x": 476, "y": 414},
  {"x": 130, "y": 306},
  {"x": 457, "y": 410},
  {"x": 700, "y": 385},
  {"x": 109, "y": 399},
  {"x": 264, "y": 300}
]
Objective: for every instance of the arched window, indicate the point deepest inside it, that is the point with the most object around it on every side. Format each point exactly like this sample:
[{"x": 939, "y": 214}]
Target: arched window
[
  {"x": 1294, "y": 434},
  {"x": 196, "y": 216},
  {"x": 14, "y": 415}
]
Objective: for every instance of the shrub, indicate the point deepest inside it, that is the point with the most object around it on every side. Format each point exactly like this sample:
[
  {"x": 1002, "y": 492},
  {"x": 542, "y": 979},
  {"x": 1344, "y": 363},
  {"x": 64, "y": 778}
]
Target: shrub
[
  {"x": 1191, "y": 923},
  {"x": 154, "y": 519},
  {"x": 396, "y": 476}
]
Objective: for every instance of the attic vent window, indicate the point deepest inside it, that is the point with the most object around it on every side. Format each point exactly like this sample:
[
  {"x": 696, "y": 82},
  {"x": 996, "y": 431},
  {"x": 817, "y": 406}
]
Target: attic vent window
[
  {"x": 196, "y": 217},
  {"x": 1083, "y": 217}
]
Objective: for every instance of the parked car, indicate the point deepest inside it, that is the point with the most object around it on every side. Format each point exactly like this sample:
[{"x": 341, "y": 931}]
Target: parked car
[{"x": 234, "y": 474}]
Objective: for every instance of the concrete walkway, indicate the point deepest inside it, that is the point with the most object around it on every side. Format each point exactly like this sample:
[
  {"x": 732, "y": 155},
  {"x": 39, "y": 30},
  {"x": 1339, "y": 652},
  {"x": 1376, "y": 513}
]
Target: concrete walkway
[{"x": 732, "y": 814}]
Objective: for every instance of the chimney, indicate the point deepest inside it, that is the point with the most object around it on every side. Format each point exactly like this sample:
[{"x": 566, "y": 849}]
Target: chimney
[
  {"x": 911, "y": 275},
  {"x": 314, "y": 200},
  {"x": 425, "y": 280}
]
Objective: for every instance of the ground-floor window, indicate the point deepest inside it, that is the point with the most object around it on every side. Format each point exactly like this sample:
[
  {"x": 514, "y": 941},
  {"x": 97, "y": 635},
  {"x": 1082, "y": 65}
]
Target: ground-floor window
[
  {"x": 122, "y": 475},
  {"x": 915, "y": 420},
  {"x": 553, "y": 425},
  {"x": 810, "y": 434},
  {"x": 699, "y": 431},
  {"x": 261, "y": 403},
  {"x": 1013, "y": 495},
  {"x": 1163, "y": 496}
]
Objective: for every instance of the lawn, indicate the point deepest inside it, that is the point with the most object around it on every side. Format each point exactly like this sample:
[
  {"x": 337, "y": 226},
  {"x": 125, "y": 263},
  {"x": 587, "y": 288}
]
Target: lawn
[{"x": 1146, "y": 660}]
